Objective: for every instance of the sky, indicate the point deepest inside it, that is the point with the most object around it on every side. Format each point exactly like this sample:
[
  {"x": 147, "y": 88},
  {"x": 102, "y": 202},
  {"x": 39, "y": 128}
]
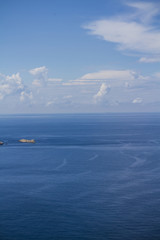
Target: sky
[{"x": 88, "y": 56}]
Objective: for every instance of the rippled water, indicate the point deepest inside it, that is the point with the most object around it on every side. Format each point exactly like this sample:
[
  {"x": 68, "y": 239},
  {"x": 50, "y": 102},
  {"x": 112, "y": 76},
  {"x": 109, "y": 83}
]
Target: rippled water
[{"x": 87, "y": 177}]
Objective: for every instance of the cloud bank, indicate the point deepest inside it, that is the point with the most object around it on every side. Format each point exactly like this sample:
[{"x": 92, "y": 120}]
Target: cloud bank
[{"x": 104, "y": 90}]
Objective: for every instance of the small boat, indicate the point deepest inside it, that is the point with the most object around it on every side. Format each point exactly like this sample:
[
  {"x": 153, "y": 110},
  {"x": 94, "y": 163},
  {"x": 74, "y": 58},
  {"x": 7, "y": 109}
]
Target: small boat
[
  {"x": 27, "y": 140},
  {"x": 1, "y": 143}
]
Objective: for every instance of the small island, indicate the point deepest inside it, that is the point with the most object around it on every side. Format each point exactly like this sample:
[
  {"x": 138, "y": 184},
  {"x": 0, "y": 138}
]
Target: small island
[{"x": 27, "y": 140}]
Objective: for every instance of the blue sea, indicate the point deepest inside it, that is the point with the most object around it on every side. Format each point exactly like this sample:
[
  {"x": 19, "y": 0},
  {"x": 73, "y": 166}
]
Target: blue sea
[{"x": 87, "y": 177}]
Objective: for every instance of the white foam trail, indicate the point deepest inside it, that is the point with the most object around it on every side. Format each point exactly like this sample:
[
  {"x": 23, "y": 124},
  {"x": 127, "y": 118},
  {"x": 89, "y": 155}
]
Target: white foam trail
[
  {"x": 92, "y": 158},
  {"x": 138, "y": 161},
  {"x": 61, "y": 165}
]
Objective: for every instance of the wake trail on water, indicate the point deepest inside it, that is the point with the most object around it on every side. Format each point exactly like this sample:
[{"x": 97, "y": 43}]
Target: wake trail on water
[
  {"x": 138, "y": 161},
  {"x": 93, "y": 157},
  {"x": 61, "y": 165}
]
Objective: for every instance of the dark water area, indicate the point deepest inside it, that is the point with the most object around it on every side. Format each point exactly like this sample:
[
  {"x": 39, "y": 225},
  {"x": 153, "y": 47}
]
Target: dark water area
[{"x": 87, "y": 177}]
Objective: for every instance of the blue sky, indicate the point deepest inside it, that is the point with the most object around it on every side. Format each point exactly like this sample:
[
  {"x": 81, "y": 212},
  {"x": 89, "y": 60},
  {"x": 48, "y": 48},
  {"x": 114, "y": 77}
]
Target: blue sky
[{"x": 67, "y": 56}]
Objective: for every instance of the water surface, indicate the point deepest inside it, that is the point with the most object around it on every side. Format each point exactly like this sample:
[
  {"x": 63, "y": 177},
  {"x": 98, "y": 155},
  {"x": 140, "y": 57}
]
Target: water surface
[{"x": 87, "y": 177}]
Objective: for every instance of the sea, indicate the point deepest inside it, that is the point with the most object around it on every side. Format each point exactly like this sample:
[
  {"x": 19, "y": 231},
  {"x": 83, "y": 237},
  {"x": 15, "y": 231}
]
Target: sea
[{"x": 87, "y": 177}]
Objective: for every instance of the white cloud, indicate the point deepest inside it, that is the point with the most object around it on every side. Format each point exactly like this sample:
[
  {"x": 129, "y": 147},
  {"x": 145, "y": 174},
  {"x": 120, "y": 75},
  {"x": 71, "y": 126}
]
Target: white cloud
[
  {"x": 137, "y": 100},
  {"x": 39, "y": 70},
  {"x": 67, "y": 97},
  {"x": 115, "y": 77},
  {"x": 135, "y": 34},
  {"x": 54, "y": 80},
  {"x": 149, "y": 60},
  {"x": 41, "y": 76},
  {"x": 25, "y": 95},
  {"x": 109, "y": 74},
  {"x": 78, "y": 82},
  {"x": 145, "y": 11},
  {"x": 103, "y": 91},
  {"x": 60, "y": 101},
  {"x": 49, "y": 103},
  {"x": 12, "y": 85},
  {"x": 36, "y": 82}
]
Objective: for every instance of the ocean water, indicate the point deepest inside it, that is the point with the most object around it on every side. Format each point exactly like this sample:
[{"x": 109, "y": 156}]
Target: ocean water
[{"x": 87, "y": 177}]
